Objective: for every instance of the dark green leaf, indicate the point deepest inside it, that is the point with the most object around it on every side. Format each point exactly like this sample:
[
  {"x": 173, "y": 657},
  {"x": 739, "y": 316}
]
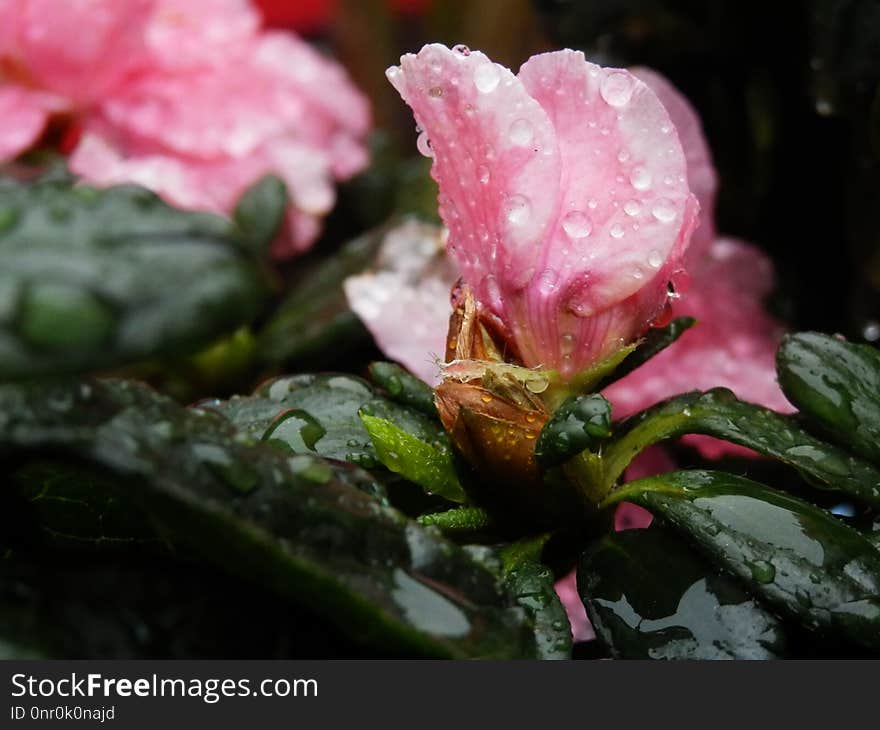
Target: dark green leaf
[
  {"x": 459, "y": 520},
  {"x": 278, "y": 521},
  {"x": 403, "y": 387},
  {"x": 578, "y": 424},
  {"x": 649, "y": 596},
  {"x": 797, "y": 558},
  {"x": 93, "y": 279},
  {"x": 836, "y": 384},
  {"x": 531, "y": 583},
  {"x": 719, "y": 413},
  {"x": 260, "y": 212}
]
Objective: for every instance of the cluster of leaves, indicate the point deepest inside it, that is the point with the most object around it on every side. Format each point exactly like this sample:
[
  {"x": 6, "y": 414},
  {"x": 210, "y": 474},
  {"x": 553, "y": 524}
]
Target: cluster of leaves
[
  {"x": 326, "y": 514},
  {"x": 132, "y": 526}
]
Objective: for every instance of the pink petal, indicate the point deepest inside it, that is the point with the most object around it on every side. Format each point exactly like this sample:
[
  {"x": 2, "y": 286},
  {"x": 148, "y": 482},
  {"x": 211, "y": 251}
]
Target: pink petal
[
  {"x": 23, "y": 117},
  {"x": 701, "y": 174},
  {"x": 468, "y": 105},
  {"x": 567, "y": 214},
  {"x": 566, "y": 589},
  {"x": 190, "y": 33},
  {"x": 77, "y": 48},
  {"x": 733, "y": 345},
  {"x": 214, "y": 185},
  {"x": 412, "y": 280}
]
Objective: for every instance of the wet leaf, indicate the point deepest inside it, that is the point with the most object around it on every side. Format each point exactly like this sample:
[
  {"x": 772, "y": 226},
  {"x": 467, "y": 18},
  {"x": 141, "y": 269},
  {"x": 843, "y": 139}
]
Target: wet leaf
[
  {"x": 93, "y": 279},
  {"x": 795, "y": 557},
  {"x": 279, "y": 521},
  {"x": 403, "y": 387},
  {"x": 720, "y": 414},
  {"x": 578, "y": 424},
  {"x": 649, "y": 596},
  {"x": 836, "y": 384},
  {"x": 430, "y": 465},
  {"x": 532, "y": 585}
]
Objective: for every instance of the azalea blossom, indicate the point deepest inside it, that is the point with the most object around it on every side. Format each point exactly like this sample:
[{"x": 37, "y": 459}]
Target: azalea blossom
[
  {"x": 564, "y": 189},
  {"x": 734, "y": 341},
  {"x": 187, "y": 97}
]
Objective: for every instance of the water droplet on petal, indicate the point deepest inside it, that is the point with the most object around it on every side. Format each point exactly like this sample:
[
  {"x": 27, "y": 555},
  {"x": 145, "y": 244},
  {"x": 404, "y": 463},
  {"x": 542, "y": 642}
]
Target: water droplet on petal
[
  {"x": 663, "y": 211},
  {"x": 521, "y": 132},
  {"x": 617, "y": 231},
  {"x": 623, "y": 155},
  {"x": 640, "y": 178},
  {"x": 637, "y": 273},
  {"x": 547, "y": 281},
  {"x": 486, "y": 78},
  {"x": 518, "y": 209},
  {"x": 632, "y": 207},
  {"x": 617, "y": 88},
  {"x": 483, "y": 174},
  {"x": 655, "y": 259},
  {"x": 424, "y": 145},
  {"x": 577, "y": 225},
  {"x": 592, "y": 203}
]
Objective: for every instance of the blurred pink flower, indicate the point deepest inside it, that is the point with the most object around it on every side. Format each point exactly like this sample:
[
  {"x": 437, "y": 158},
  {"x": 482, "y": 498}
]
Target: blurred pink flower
[
  {"x": 187, "y": 97},
  {"x": 565, "y": 193}
]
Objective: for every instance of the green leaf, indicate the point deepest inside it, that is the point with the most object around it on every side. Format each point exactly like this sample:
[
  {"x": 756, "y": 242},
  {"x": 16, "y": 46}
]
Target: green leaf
[
  {"x": 430, "y": 465},
  {"x": 578, "y": 424},
  {"x": 720, "y": 414},
  {"x": 649, "y": 596},
  {"x": 797, "y": 558},
  {"x": 94, "y": 279},
  {"x": 532, "y": 584},
  {"x": 836, "y": 384},
  {"x": 260, "y": 213},
  {"x": 403, "y": 387},
  {"x": 459, "y": 520},
  {"x": 252, "y": 511},
  {"x": 314, "y": 325}
]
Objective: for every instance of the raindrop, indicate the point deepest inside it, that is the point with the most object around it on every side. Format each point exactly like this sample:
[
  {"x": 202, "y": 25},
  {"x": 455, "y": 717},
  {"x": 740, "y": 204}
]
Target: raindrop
[
  {"x": 517, "y": 209},
  {"x": 617, "y": 231},
  {"x": 640, "y": 178},
  {"x": 423, "y": 144},
  {"x": 521, "y": 132},
  {"x": 617, "y": 88},
  {"x": 547, "y": 281},
  {"x": 623, "y": 155},
  {"x": 483, "y": 174},
  {"x": 486, "y": 78},
  {"x": 871, "y": 331},
  {"x": 576, "y": 225},
  {"x": 592, "y": 203},
  {"x": 663, "y": 210},
  {"x": 655, "y": 259},
  {"x": 632, "y": 207},
  {"x": 637, "y": 273}
]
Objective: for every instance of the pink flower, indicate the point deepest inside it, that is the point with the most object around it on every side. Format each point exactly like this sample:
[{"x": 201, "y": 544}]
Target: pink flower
[
  {"x": 187, "y": 97},
  {"x": 404, "y": 301},
  {"x": 565, "y": 193}
]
